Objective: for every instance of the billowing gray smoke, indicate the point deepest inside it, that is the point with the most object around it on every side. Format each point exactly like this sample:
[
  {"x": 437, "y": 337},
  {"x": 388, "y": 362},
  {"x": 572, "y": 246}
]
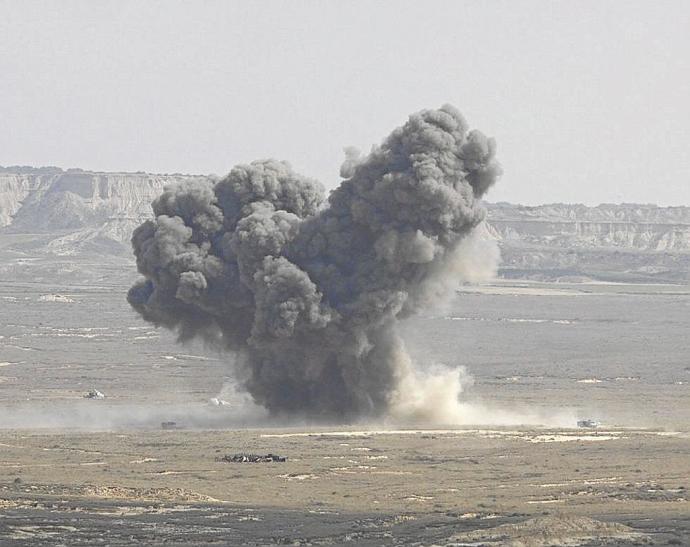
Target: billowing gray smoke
[{"x": 309, "y": 294}]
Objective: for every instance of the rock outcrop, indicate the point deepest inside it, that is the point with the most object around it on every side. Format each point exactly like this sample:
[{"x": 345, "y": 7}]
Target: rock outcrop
[
  {"x": 83, "y": 210},
  {"x": 77, "y": 213},
  {"x": 626, "y": 226},
  {"x": 627, "y": 242}
]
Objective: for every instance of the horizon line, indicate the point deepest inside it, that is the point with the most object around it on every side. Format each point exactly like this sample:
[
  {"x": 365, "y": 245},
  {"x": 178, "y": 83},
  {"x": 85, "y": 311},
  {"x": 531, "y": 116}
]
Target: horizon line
[{"x": 16, "y": 169}]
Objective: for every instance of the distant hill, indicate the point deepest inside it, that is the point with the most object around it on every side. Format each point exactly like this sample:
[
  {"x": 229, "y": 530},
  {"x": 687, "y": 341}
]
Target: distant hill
[
  {"x": 81, "y": 211},
  {"x": 627, "y": 242},
  {"x": 50, "y": 212}
]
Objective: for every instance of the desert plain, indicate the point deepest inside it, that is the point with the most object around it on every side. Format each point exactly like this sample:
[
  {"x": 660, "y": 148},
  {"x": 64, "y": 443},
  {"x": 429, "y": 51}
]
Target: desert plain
[{"x": 518, "y": 470}]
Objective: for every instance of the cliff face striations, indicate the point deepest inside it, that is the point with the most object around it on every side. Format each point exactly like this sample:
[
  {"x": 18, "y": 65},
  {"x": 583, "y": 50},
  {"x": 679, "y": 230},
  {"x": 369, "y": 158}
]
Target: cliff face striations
[
  {"x": 615, "y": 242},
  {"x": 627, "y": 226},
  {"x": 82, "y": 210},
  {"x": 49, "y": 211}
]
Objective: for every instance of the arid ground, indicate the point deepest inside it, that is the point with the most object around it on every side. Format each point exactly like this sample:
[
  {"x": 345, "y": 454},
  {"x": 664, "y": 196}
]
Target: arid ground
[
  {"x": 75, "y": 471},
  {"x": 463, "y": 487}
]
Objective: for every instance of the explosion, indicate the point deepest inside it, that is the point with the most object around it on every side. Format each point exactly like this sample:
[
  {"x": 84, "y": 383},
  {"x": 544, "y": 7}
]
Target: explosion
[{"x": 308, "y": 292}]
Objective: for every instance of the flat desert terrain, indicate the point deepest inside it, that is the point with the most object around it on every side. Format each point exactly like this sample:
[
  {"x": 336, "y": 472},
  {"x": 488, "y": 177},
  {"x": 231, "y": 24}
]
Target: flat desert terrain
[
  {"x": 537, "y": 357},
  {"x": 435, "y": 487}
]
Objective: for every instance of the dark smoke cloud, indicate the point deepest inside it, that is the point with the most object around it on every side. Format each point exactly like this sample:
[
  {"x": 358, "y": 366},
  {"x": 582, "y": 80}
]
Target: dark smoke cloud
[{"x": 308, "y": 293}]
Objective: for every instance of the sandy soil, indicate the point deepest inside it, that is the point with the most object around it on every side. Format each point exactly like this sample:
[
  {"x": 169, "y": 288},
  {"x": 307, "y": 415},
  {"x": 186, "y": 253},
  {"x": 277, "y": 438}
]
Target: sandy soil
[
  {"x": 442, "y": 487},
  {"x": 614, "y": 353}
]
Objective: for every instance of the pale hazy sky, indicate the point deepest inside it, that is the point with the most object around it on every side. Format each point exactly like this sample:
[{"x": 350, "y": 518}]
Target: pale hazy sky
[{"x": 589, "y": 101}]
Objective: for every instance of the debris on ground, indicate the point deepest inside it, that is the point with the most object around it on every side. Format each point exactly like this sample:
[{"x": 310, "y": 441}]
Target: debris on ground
[
  {"x": 252, "y": 458},
  {"x": 94, "y": 394},
  {"x": 589, "y": 424}
]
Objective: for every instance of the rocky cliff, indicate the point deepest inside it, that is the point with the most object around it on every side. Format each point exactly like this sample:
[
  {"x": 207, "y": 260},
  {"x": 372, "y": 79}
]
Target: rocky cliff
[
  {"x": 617, "y": 242},
  {"x": 51, "y": 212},
  {"x": 78, "y": 210},
  {"x": 626, "y": 226}
]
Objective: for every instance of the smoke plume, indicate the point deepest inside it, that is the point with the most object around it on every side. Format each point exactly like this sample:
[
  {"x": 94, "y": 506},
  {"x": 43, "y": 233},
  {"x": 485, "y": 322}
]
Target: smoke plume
[{"x": 308, "y": 292}]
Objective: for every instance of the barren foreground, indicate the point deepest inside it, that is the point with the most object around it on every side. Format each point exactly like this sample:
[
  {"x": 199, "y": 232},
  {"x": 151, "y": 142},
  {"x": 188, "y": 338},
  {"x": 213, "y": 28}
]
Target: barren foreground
[
  {"x": 445, "y": 487},
  {"x": 538, "y": 353}
]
